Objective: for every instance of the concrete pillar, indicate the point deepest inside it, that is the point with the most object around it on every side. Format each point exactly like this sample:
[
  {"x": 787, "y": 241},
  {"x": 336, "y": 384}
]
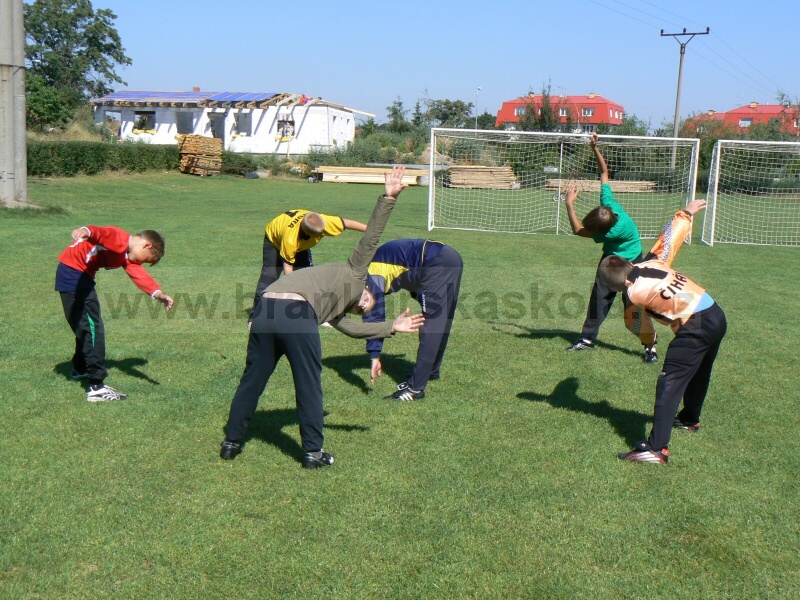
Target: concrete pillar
[{"x": 13, "y": 148}]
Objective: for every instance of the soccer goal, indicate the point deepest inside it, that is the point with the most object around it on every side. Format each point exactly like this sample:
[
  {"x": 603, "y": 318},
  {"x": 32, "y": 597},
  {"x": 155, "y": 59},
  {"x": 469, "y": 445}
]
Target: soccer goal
[
  {"x": 753, "y": 194},
  {"x": 514, "y": 181}
]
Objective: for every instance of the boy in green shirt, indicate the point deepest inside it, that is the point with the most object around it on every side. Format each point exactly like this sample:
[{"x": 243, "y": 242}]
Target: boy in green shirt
[{"x": 610, "y": 225}]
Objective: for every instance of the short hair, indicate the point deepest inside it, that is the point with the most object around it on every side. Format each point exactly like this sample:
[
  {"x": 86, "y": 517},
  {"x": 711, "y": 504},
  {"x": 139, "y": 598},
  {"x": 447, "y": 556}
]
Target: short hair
[
  {"x": 599, "y": 220},
  {"x": 157, "y": 243},
  {"x": 614, "y": 271},
  {"x": 313, "y": 223}
]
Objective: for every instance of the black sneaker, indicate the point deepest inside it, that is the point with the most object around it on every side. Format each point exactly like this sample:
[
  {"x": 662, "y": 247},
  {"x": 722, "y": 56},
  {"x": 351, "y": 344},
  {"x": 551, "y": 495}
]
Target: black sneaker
[
  {"x": 404, "y": 393},
  {"x": 315, "y": 460},
  {"x": 691, "y": 427},
  {"x": 644, "y": 453},
  {"x": 230, "y": 450},
  {"x": 581, "y": 344},
  {"x": 650, "y": 355}
]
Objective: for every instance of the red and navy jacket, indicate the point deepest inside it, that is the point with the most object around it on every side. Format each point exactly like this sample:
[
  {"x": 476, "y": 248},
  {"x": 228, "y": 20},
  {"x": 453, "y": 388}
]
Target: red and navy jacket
[{"x": 106, "y": 248}]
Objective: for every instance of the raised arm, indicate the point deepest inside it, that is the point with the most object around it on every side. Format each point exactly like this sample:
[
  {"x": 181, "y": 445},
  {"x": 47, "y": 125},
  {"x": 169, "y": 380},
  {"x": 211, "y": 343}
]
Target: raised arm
[
  {"x": 601, "y": 162},
  {"x": 569, "y": 201},
  {"x": 669, "y": 242}
]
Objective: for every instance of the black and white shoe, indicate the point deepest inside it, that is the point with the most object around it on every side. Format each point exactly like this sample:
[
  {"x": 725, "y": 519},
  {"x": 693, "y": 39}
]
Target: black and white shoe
[
  {"x": 650, "y": 355},
  {"x": 104, "y": 393},
  {"x": 581, "y": 344},
  {"x": 76, "y": 375},
  {"x": 404, "y": 393},
  {"x": 315, "y": 460},
  {"x": 681, "y": 424},
  {"x": 644, "y": 453}
]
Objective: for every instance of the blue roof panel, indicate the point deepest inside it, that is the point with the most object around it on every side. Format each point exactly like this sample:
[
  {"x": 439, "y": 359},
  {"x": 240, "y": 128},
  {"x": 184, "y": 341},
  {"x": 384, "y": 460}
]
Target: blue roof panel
[
  {"x": 242, "y": 97},
  {"x": 146, "y": 96}
]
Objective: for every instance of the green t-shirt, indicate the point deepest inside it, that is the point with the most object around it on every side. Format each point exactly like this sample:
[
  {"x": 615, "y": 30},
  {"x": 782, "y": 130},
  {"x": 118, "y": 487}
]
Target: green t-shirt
[{"x": 623, "y": 238}]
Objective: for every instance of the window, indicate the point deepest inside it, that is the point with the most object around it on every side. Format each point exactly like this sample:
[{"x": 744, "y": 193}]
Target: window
[
  {"x": 244, "y": 123},
  {"x": 519, "y": 111},
  {"x": 563, "y": 112},
  {"x": 144, "y": 121},
  {"x": 587, "y": 112},
  {"x": 285, "y": 130},
  {"x": 588, "y": 128},
  {"x": 745, "y": 122},
  {"x": 796, "y": 123},
  {"x": 610, "y": 114},
  {"x": 184, "y": 121}
]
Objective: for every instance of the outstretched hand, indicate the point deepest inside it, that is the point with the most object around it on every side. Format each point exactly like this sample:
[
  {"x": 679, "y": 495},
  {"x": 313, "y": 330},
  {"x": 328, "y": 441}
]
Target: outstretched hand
[
  {"x": 572, "y": 194},
  {"x": 408, "y": 324},
  {"x": 593, "y": 141},
  {"x": 695, "y": 206},
  {"x": 394, "y": 181},
  {"x": 80, "y": 234},
  {"x": 166, "y": 300}
]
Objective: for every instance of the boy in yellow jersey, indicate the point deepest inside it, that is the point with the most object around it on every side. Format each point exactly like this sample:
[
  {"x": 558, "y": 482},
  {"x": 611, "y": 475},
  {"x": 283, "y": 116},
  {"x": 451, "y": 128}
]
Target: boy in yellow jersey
[
  {"x": 698, "y": 322},
  {"x": 288, "y": 240}
]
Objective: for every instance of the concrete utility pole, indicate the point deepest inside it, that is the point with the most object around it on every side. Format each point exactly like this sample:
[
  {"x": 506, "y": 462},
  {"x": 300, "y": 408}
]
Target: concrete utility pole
[
  {"x": 13, "y": 150},
  {"x": 680, "y": 79}
]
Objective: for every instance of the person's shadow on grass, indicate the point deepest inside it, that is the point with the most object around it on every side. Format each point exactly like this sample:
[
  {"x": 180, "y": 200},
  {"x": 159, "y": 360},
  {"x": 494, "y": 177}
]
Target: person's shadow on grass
[
  {"x": 395, "y": 366},
  {"x": 268, "y": 426},
  {"x": 126, "y": 365},
  {"x": 629, "y": 424},
  {"x": 568, "y": 336}
]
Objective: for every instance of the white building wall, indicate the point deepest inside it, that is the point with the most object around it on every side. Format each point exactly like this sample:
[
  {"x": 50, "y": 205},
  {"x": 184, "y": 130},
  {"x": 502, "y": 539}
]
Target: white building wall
[{"x": 315, "y": 126}]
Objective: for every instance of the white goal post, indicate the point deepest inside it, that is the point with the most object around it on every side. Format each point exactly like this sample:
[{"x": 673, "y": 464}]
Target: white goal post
[
  {"x": 514, "y": 181},
  {"x": 753, "y": 194}
]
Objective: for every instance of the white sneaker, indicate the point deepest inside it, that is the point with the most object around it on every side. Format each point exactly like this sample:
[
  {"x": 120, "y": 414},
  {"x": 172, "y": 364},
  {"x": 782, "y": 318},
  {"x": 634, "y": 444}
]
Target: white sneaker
[
  {"x": 103, "y": 393},
  {"x": 326, "y": 324}
]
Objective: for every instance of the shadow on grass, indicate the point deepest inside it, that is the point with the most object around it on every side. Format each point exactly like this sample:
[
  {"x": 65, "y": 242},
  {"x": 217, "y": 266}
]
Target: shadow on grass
[
  {"x": 268, "y": 426},
  {"x": 395, "y": 366},
  {"x": 126, "y": 365},
  {"x": 630, "y": 425},
  {"x": 568, "y": 336}
]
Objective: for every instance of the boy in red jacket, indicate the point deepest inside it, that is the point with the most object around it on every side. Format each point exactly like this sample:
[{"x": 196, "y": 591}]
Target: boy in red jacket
[{"x": 108, "y": 248}]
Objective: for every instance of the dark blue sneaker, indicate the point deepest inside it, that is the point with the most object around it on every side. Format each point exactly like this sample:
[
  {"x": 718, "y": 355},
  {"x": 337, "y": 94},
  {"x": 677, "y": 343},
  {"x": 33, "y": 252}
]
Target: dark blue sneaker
[
  {"x": 404, "y": 393},
  {"x": 644, "y": 453}
]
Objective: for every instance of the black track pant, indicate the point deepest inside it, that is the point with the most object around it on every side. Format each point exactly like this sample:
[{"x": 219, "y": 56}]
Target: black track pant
[
  {"x": 282, "y": 327},
  {"x": 82, "y": 309},
  {"x": 438, "y": 294},
  {"x": 272, "y": 267},
  {"x": 687, "y": 372},
  {"x": 599, "y": 304}
]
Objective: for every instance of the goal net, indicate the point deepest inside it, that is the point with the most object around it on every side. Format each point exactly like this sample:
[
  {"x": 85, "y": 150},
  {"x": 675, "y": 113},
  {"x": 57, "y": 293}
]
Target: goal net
[
  {"x": 514, "y": 181},
  {"x": 753, "y": 194}
]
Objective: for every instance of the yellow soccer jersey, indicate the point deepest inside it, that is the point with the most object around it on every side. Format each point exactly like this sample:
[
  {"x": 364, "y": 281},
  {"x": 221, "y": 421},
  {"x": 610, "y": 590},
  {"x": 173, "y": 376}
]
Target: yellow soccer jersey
[{"x": 285, "y": 234}]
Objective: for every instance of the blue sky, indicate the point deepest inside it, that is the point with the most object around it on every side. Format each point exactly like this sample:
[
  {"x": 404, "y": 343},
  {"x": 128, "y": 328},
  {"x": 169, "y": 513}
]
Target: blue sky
[{"x": 367, "y": 54}]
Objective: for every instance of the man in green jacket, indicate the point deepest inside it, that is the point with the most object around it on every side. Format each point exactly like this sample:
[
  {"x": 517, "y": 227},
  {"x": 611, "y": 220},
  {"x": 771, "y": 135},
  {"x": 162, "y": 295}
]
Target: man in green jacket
[{"x": 287, "y": 321}]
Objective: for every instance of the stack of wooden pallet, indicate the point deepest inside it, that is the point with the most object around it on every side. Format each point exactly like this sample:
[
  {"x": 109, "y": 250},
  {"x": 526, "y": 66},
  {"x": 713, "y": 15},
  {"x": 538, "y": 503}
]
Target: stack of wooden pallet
[
  {"x": 366, "y": 175},
  {"x": 485, "y": 178},
  {"x": 593, "y": 185},
  {"x": 200, "y": 155}
]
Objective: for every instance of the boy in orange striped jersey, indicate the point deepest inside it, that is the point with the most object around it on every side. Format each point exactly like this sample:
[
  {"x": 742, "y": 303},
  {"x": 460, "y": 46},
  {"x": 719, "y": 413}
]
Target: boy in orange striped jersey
[{"x": 698, "y": 322}]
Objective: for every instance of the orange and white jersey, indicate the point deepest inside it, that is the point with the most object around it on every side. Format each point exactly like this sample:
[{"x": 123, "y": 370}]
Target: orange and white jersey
[{"x": 662, "y": 292}]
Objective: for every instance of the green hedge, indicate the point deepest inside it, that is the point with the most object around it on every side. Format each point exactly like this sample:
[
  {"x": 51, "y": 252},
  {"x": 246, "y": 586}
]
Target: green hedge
[{"x": 67, "y": 159}]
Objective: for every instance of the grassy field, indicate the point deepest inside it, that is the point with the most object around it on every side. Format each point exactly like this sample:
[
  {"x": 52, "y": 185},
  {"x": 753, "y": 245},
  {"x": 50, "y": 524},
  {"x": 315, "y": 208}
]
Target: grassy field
[{"x": 502, "y": 483}]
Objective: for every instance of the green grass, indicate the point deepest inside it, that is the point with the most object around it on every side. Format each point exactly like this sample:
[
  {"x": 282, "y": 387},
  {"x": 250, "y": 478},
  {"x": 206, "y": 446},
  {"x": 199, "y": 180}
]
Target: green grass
[{"x": 502, "y": 483}]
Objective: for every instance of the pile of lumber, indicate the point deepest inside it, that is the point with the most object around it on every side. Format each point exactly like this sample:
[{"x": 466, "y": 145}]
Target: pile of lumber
[
  {"x": 593, "y": 185},
  {"x": 200, "y": 155},
  {"x": 484, "y": 178},
  {"x": 367, "y": 175}
]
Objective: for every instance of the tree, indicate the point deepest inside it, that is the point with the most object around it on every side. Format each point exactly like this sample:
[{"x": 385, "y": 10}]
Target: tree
[
  {"x": 449, "y": 113},
  {"x": 544, "y": 117},
  {"x": 397, "y": 117},
  {"x": 72, "y": 50},
  {"x": 632, "y": 125},
  {"x": 486, "y": 120}
]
